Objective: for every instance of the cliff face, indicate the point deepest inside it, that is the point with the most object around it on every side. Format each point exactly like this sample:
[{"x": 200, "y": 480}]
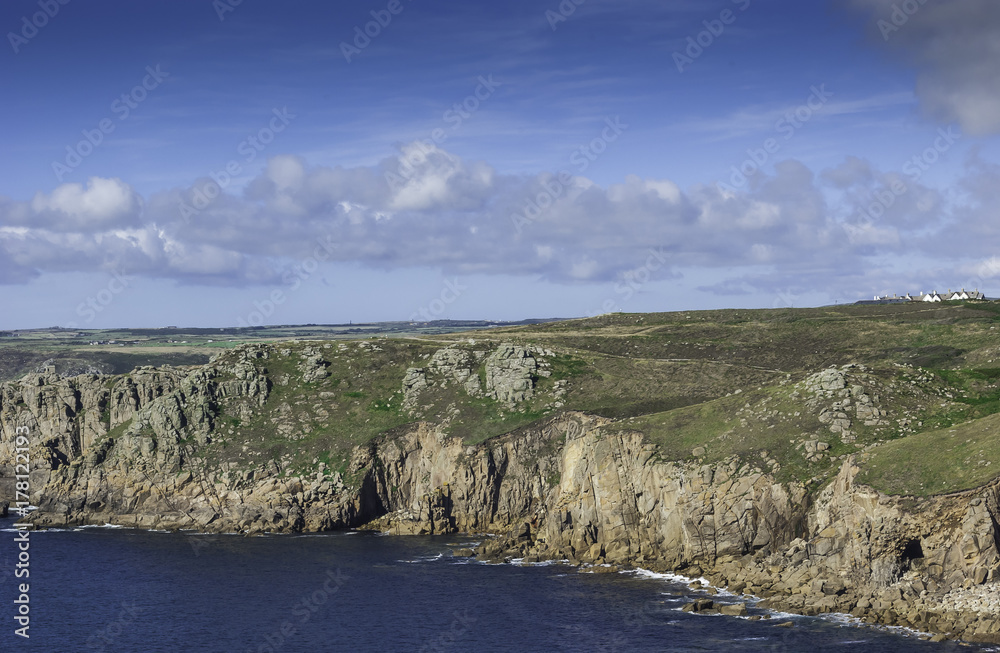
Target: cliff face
[
  {"x": 64, "y": 417},
  {"x": 567, "y": 489},
  {"x": 134, "y": 450}
]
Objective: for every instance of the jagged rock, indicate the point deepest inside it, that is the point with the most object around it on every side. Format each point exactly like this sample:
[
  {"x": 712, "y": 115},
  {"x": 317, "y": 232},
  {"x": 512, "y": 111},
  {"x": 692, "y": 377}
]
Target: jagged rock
[
  {"x": 313, "y": 367},
  {"x": 414, "y": 381},
  {"x": 701, "y": 605},
  {"x": 459, "y": 366},
  {"x": 511, "y": 372},
  {"x": 124, "y": 450},
  {"x": 828, "y": 380}
]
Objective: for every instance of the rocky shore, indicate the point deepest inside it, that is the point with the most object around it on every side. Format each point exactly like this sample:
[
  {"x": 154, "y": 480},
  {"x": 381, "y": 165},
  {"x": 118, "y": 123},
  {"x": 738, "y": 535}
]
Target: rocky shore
[
  {"x": 575, "y": 486},
  {"x": 929, "y": 593}
]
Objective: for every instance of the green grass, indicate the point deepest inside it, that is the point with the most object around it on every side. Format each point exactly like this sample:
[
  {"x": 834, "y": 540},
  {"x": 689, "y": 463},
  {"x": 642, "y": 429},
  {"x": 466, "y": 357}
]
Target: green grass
[
  {"x": 766, "y": 430},
  {"x": 325, "y": 419},
  {"x": 938, "y": 461},
  {"x": 563, "y": 367},
  {"x": 974, "y": 394},
  {"x": 678, "y": 432},
  {"x": 722, "y": 380},
  {"x": 483, "y": 419}
]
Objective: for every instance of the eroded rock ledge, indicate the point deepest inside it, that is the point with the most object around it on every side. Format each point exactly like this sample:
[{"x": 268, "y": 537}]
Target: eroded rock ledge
[{"x": 122, "y": 450}]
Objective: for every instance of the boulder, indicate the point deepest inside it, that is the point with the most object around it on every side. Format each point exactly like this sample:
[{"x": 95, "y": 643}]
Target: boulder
[
  {"x": 701, "y": 605},
  {"x": 735, "y": 610}
]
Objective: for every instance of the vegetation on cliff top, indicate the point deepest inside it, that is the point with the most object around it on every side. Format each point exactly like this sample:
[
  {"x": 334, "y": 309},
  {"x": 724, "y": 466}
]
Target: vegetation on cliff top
[
  {"x": 940, "y": 461},
  {"x": 912, "y": 388}
]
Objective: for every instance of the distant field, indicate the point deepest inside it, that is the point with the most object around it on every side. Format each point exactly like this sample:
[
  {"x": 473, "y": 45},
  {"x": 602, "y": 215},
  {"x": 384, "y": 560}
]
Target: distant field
[{"x": 118, "y": 351}]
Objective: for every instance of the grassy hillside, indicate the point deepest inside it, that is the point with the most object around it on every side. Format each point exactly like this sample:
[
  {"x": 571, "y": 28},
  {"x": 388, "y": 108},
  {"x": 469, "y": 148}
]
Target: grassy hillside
[
  {"x": 937, "y": 462},
  {"x": 730, "y": 384},
  {"x": 940, "y": 336},
  {"x": 913, "y": 388}
]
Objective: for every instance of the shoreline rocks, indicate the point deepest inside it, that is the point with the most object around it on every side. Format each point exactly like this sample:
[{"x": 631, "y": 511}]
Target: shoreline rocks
[{"x": 123, "y": 450}]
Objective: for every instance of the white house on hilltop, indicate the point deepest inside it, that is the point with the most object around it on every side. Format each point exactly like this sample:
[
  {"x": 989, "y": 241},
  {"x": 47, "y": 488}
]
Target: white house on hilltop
[
  {"x": 950, "y": 296},
  {"x": 967, "y": 294},
  {"x": 933, "y": 296}
]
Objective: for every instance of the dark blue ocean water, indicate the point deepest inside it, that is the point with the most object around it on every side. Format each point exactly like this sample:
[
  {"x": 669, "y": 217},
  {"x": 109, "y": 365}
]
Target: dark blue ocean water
[{"x": 124, "y": 590}]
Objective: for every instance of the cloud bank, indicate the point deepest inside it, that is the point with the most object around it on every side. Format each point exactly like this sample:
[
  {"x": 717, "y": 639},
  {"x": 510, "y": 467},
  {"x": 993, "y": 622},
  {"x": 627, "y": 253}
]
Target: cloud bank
[{"x": 427, "y": 207}]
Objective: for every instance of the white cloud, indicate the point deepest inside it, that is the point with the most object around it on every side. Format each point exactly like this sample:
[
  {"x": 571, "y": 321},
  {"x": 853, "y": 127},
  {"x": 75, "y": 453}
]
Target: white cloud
[
  {"x": 955, "y": 47},
  {"x": 988, "y": 269},
  {"x": 103, "y": 203},
  {"x": 430, "y": 178},
  {"x": 456, "y": 215},
  {"x": 287, "y": 172},
  {"x": 201, "y": 260}
]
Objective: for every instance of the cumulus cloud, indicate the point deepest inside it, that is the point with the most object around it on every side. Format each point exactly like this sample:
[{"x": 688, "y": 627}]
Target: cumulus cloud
[
  {"x": 431, "y": 208},
  {"x": 877, "y": 204},
  {"x": 430, "y": 178},
  {"x": 955, "y": 47},
  {"x": 972, "y": 221},
  {"x": 101, "y": 204}
]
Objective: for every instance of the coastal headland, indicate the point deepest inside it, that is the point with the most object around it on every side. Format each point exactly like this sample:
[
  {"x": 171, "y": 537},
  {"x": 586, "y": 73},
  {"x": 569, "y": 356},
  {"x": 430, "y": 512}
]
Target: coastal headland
[{"x": 837, "y": 459}]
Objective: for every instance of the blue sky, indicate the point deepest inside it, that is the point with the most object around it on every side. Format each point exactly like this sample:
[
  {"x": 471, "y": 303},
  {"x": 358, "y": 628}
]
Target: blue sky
[{"x": 213, "y": 164}]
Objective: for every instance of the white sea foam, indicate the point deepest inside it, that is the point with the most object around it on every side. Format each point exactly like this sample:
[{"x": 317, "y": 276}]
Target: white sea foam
[
  {"x": 420, "y": 559},
  {"x": 684, "y": 580},
  {"x": 645, "y": 573},
  {"x": 542, "y": 563}
]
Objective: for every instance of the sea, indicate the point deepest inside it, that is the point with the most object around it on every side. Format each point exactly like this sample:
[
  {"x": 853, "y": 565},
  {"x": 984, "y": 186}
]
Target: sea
[{"x": 122, "y": 590}]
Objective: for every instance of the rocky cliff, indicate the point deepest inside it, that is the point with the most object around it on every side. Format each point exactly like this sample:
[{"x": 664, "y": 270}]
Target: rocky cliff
[{"x": 476, "y": 437}]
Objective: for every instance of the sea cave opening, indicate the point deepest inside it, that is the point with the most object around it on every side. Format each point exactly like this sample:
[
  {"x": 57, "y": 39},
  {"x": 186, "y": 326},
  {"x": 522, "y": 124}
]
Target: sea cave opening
[{"x": 912, "y": 556}]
